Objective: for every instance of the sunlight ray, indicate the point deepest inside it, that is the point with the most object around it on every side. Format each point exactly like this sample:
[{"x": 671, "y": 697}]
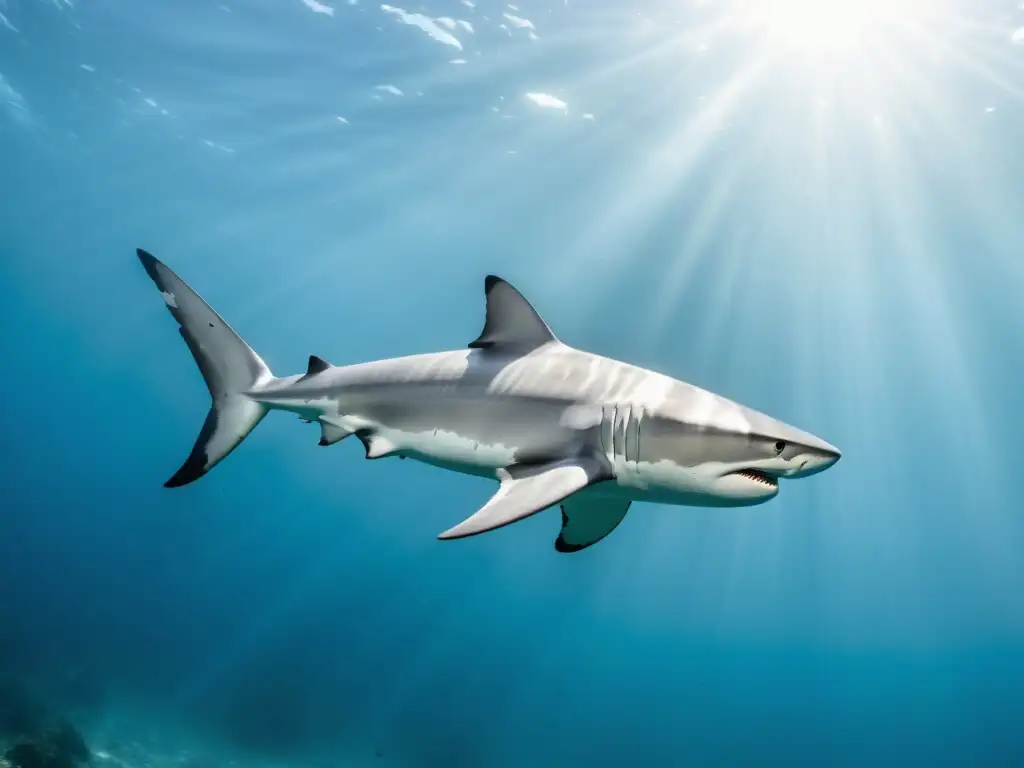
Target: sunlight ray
[
  {"x": 927, "y": 285},
  {"x": 972, "y": 63},
  {"x": 928, "y": 114},
  {"x": 669, "y": 50},
  {"x": 703, "y": 225},
  {"x": 662, "y": 169},
  {"x": 722, "y": 307}
]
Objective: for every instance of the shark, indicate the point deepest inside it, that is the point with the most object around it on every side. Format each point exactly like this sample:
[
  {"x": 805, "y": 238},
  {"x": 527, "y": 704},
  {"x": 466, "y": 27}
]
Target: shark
[{"x": 552, "y": 424}]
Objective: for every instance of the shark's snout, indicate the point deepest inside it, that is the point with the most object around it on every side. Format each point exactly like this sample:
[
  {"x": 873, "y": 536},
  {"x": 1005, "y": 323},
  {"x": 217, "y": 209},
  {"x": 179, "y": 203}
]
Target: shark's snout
[{"x": 817, "y": 460}]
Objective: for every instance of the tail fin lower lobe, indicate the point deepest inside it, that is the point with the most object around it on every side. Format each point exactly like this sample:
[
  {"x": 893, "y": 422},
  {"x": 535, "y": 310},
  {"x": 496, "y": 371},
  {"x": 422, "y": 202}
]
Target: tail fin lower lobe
[{"x": 229, "y": 365}]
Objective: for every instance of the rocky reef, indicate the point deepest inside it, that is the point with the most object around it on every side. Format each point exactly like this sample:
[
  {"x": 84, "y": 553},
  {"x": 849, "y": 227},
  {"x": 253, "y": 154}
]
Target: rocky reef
[{"x": 33, "y": 736}]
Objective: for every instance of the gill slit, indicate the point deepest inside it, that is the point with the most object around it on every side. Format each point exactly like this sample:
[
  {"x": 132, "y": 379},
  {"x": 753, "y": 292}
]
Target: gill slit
[{"x": 620, "y": 432}]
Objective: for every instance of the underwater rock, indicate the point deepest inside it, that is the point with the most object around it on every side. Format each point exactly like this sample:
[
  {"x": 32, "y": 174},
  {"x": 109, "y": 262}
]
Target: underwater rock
[
  {"x": 67, "y": 740},
  {"x": 39, "y": 737},
  {"x": 21, "y": 714},
  {"x": 60, "y": 746},
  {"x": 30, "y": 756}
]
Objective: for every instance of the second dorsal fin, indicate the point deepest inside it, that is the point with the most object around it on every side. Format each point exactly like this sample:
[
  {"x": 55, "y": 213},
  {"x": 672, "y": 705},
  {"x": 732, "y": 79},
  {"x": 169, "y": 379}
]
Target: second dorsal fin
[{"x": 511, "y": 322}]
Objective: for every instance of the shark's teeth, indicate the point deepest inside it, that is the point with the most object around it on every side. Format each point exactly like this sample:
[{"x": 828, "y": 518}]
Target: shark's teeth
[{"x": 757, "y": 477}]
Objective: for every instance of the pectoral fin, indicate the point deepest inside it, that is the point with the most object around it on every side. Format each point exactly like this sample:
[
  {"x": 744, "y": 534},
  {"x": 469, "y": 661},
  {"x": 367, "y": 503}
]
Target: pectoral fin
[
  {"x": 585, "y": 521},
  {"x": 525, "y": 491}
]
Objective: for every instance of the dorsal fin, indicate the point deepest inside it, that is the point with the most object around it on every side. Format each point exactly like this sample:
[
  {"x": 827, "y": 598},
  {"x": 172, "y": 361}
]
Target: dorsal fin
[
  {"x": 512, "y": 322},
  {"x": 316, "y": 365}
]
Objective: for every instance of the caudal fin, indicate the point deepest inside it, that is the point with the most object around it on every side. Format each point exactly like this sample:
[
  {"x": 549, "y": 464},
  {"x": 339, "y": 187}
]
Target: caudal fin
[{"x": 230, "y": 367}]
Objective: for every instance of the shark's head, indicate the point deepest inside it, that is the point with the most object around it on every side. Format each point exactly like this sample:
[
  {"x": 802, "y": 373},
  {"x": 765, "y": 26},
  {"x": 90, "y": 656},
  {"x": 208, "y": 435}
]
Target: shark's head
[
  {"x": 725, "y": 454},
  {"x": 750, "y": 466}
]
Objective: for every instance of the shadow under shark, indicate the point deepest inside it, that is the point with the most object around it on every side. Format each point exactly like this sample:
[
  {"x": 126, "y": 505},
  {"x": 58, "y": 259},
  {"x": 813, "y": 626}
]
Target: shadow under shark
[{"x": 553, "y": 424}]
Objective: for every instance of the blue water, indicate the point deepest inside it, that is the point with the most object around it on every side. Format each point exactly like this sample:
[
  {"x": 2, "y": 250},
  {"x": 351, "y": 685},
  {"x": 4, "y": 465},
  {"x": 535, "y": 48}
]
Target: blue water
[{"x": 835, "y": 239}]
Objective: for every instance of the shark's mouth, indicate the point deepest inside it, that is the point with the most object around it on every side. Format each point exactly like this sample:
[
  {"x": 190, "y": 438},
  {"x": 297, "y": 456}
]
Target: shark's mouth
[{"x": 758, "y": 476}]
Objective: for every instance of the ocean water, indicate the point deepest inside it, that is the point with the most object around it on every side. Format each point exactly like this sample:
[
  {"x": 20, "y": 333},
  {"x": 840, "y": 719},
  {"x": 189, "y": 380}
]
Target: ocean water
[{"x": 819, "y": 213}]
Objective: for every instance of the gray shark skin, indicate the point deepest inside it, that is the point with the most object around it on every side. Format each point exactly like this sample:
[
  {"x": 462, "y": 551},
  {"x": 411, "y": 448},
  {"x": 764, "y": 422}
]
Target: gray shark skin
[{"x": 552, "y": 424}]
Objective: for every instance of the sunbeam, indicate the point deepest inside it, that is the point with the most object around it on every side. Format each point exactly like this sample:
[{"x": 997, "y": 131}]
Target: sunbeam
[{"x": 826, "y": 27}]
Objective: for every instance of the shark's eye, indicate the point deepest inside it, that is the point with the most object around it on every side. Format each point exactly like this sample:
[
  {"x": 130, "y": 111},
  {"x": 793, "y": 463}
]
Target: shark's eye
[{"x": 780, "y": 446}]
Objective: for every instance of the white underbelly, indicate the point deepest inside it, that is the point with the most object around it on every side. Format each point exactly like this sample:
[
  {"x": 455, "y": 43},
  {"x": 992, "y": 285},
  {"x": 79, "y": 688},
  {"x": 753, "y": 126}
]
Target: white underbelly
[
  {"x": 452, "y": 450},
  {"x": 438, "y": 446}
]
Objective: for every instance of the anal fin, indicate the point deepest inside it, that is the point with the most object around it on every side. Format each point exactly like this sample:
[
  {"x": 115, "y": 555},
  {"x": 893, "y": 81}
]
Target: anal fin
[
  {"x": 332, "y": 433},
  {"x": 525, "y": 491},
  {"x": 585, "y": 521},
  {"x": 377, "y": 445}
]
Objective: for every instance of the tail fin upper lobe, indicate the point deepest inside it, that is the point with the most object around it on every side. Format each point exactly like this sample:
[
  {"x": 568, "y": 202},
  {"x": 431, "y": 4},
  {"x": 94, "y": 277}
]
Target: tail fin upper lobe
[{"x": 229, "y": 365}]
